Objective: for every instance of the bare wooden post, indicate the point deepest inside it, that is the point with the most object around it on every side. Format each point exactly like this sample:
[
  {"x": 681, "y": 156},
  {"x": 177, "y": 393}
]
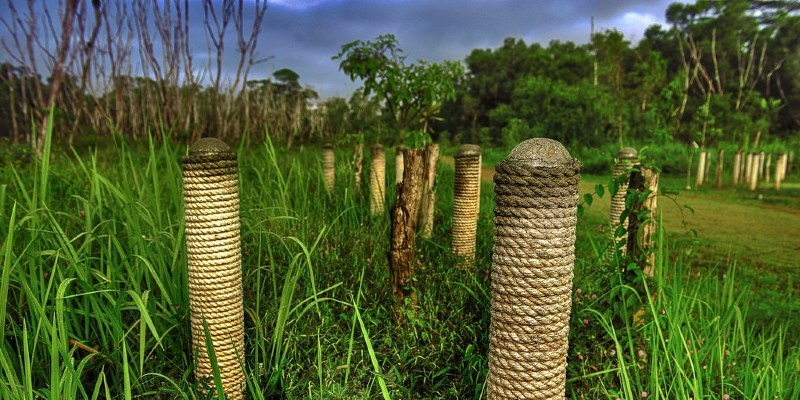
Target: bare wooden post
[
  {"x": 211, "y": 199},
  {"x": 701, "y": 169},
  {"x": 737, "y": 167},
  {"x": 627, "y": 157},
  {"x": 754, "y": 173},
  {"x": 748, "y": 169},
  {"x": 640, "y": 238},
  {"x": 398, "y": 164},
  {"x": 377, "y": 179},
  {"x": 428, "y": 195},
  {"x": 768, "y": 168},
  {"x": 466, "y": 200},
  {"x": 779, "y": 160},
  {"x": 720, "y": 161},
  {"x": 761, "y": 162},
  {"x": 404, "y": 223},
  {"x": 536, "y": 197},
  {"x": 358, "y": 163},
  {"x": 329, "y": 166}
]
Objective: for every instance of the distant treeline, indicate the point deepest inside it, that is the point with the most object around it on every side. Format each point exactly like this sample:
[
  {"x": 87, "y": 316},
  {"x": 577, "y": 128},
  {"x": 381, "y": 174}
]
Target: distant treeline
[{"x": 723, "y": 71}]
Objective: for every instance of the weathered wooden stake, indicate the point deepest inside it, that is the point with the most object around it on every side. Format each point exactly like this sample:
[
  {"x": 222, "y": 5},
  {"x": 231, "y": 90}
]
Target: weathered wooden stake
[
  {"x": 404, "y": 216},
  {"x": 640, "y": 238},
  {"x": 211, "y": 199},
  {"x": 701, "y": 169},
  {"x": 754, "y": 173},
  {"x": 377, "y": 179},
  {"x": 428, "y": 194},
  {"x": 737, "y": 167},
  {"x": 329, "y": 166},
  {"x": 466, "y": 200},
  {"x": 398, "y": 164},
  {"x": 358, "y": 163},
  {"x": 536, "y": 197}
]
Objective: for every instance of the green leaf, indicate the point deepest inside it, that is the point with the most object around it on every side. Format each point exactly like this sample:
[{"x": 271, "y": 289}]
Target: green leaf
[
  {"x": 587, "y": 198},
  {"x": 600, "y": 190}
]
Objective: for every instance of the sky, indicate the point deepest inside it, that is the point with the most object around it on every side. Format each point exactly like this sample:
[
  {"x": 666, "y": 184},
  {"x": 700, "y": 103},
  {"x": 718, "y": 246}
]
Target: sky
[{"x": 304, "y": 34}]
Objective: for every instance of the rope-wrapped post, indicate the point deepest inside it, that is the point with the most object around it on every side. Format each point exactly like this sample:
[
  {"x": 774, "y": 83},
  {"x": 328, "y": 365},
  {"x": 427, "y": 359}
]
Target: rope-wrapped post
[
  {"x": 398, "y": 164},
  {"x": 720, "y": 166},
  {"x": 329, "y": 166},
  {"x": 466, "y": 203},
  {"x": 748, "y": 169},
  {"x": 627, "y": 157},
  {"x": 780, "y": 160},
  {"x": 377, "y": 179},
  {"x": 536, "y": 197},
  {"x": 767, "y": 168},
  {"x": 211, "y": 198},
  {"x": 737, "y": 167}
]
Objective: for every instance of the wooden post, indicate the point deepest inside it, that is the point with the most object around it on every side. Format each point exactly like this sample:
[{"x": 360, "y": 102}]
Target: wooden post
[
  {"x": 720, "y": 160},
  {"x": 754, "y": 173},
  {"x": 358, "y": 163},
  {"x": 761, "y": 162},
  {"x": 701, "y": 169},
  {"x": 768, "y": 168},
  {"x": 779, "y": 160},
  {"x": 737, "y": 167},
  {"x": 404, "y": 216},
  {"x": 428, "y": 194},
  {"x": 640, "y": 238},
  {"x": 398, "y": 164},
  {"x": 748, "y": 169}
]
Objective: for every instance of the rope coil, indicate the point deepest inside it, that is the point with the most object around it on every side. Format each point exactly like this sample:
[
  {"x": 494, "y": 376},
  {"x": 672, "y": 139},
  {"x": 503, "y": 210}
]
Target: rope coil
[
  {"x": 329, "y": 166},
  {"x": 211, "y": 199},
  {"x": 377, "y": 179},
  {"x": 626, "y": 159},
  {"x": 466, "y": 203},
  {"x": 533, "y": 258}
]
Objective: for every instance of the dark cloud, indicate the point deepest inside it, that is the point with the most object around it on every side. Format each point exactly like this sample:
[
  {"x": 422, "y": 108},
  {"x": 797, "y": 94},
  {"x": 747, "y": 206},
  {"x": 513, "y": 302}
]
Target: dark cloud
[{"x": 303, "y": 35}]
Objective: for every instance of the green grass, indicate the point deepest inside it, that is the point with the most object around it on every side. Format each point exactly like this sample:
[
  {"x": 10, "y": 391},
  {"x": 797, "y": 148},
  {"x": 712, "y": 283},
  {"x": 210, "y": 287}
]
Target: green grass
[{"x": 95, "y": 303}]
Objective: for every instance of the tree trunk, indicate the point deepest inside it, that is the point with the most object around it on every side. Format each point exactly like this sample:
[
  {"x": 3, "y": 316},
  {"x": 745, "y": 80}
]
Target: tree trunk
[
  {"x": 404, "y": 222},
  {"x": 428, "y": 195}
]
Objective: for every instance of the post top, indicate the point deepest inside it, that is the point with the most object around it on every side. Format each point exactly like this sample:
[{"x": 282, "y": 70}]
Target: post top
[
  {"x": 328, "y": 146},
  {"x": 540, "y": 152},
  {"x": 469, "y": 150},
  {"x": 208, "y": 146},
  {"x": 377, "y": 146},
  {"x": 627, "y": 153}
]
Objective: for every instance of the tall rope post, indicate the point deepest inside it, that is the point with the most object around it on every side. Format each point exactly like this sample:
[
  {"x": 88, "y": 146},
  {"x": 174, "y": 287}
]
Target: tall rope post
[
  {"x": 398, "y": 164},
  {"x": 626, "y": 158},
  {"x": 329, "y": 166},
  {"x": 466, "y": 202},
  {"x": 377, "y": 179},
  {"x": 213, "y": 248},
  {"x": 536, "y": 197},
  {"x": 358, "y": 163}
]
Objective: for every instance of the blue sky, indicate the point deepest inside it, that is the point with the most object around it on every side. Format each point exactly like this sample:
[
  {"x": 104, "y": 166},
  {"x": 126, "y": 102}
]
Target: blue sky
[{"x": 304, "y": 34}]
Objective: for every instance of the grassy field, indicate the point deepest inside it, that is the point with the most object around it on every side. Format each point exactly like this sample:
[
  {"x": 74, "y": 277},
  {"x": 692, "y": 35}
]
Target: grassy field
[{"x": 95, "y": 300}]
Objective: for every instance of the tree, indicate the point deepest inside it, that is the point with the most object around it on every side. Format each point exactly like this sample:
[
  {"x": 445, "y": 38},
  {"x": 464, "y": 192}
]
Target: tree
[{"x": 412, "y": 94}]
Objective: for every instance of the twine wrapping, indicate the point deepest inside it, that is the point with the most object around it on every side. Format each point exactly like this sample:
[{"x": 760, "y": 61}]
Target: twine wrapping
[
  {"x": 536, "y": 195},
  {"x": 329, "y": 166},
  {"x": 211, "y": 198},
  {"x": 466, "y": 200},
  {"x": 626, "y": 158},
  {"x": 377, "y": 179},
  {"x": 398, "y": 164}
]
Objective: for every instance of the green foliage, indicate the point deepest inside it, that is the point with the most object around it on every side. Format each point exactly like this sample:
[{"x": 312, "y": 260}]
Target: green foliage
[{"x": 413, "y": 94}]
